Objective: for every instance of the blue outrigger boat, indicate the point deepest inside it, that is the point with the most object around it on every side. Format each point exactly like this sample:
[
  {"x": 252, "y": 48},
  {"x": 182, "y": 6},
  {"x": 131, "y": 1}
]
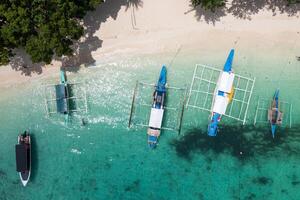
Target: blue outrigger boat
[
  {"x": 274, "y": 114},
  {"x": 223, "y": 95},
  {"x": 157, "y": 109}
]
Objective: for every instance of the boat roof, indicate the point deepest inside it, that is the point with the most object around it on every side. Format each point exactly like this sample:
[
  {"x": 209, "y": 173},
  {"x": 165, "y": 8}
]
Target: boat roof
[
  {"x": 61, "y": 98},
  {"x": 22, "y": 157}
]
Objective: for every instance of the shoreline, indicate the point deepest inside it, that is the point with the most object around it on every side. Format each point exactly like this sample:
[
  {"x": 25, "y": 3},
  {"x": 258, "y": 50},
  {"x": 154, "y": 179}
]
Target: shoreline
[{"x": 135, "y": 31}]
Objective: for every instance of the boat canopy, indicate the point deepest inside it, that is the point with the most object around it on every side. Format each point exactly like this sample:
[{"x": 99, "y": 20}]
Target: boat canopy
[
  {"x": 156, "y": 118},
  {"x": 61, "y": 98},
  {"x": 220, "y": 104},
  {"x": 22, "y": 157},
  {"x": 226, "y": 82}
]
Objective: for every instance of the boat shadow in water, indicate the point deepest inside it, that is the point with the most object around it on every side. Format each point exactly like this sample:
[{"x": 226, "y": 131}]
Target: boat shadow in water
[
  {"x": 241, "y": 142},
  {"x": 34, "y": 157}
]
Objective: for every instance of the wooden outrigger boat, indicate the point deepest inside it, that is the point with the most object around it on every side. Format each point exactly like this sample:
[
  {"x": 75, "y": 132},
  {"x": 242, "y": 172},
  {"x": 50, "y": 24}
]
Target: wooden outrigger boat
[
  {"x": 274, "y": 114},
  {"x": 222, "y": 96},
  {"x": 157, "y": 109},
  {"x": 23, "y": 157}
]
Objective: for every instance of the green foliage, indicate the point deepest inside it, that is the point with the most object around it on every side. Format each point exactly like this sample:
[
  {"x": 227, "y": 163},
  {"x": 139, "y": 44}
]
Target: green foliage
[
  {"x": 209, "y": 4},
  {"x": 44, "y": 28},
  {"x": 293, "y": 1}
]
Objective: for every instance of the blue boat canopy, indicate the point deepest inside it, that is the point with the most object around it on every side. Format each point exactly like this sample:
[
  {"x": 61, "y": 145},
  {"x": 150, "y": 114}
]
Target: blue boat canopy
[{"x": 61, "y": 91}]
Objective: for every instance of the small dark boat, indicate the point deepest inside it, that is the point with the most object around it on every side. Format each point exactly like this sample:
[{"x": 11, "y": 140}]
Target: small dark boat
[{"x": 23, "y": 157}]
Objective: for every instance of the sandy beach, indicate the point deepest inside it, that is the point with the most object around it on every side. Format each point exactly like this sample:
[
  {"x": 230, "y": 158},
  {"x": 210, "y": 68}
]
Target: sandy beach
[{"x": 153, "y": 27}]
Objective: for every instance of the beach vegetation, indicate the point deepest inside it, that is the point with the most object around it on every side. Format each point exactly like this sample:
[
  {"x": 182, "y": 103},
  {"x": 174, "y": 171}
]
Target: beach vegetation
[
  {"x": 209, "y": 4},
  {"x": 43, "y": 28},
  {"x": 293, "y": 1}
]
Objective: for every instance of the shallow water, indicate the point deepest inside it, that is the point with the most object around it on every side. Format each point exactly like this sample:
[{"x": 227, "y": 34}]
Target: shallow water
[{"x": 107, "y": 160}]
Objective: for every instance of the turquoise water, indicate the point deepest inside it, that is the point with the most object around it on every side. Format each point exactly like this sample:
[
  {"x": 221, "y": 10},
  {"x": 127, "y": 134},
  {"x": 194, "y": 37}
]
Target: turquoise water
[{"x": 107, "y": 160}]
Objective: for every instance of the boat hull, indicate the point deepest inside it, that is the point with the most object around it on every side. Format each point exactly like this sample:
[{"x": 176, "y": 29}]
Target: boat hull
[
  {"x": 274, "y": 115},
  {"x": 25, "y": 175},
  {"x": 223, "y": 95},
  {"x": 157, "y": 110}
]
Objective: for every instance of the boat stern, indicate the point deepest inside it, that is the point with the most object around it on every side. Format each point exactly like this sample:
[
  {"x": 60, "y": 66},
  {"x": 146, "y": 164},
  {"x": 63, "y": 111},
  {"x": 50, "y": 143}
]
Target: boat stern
[
  {"x": 213, "y": 125},
  {"x": 273, "y": 130},
  {"x": 153, "y": 135},
  {"x": 152, "y": 141}
]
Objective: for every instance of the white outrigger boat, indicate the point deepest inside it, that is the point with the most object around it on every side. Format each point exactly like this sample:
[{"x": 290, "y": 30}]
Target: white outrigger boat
[
  {"x": 154, "y": 121},
  {"x": 220, "y": 92},
  {"x": 23, "y": 157},
  {"x": 157, "y": 109},
  {"x": 223, "y": 95}
]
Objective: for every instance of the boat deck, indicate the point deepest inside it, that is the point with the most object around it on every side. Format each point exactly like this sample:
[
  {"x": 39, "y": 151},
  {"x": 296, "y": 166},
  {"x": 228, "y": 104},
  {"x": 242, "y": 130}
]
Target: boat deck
[
  {"x": 76, "y": 99},
  {"x": 142, "y": 104},
  {"x": 203, "y": 88},
  {"x": 261, "y": 113}
]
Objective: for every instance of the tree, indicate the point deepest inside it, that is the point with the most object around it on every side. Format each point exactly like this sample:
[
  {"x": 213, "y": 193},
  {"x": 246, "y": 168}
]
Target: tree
[
  {"x": 293, "y": 1},
  {"x": 43, "y": 28},
  {"x": 209, "y": 4}
]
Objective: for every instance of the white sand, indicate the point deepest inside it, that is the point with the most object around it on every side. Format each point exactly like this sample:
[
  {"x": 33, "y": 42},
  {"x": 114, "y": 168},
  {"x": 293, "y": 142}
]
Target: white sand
[{"x": 161, "y": 26}]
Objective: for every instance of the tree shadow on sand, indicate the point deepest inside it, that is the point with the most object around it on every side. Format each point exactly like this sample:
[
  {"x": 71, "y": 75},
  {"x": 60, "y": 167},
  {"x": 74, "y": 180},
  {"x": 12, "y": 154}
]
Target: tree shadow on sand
[
  {"x": 88, "y": 43},
  {"x": 242, "y": 9},
  {"x": 245, "y": 9},
  {"x": 134, "y": 4},
  {"x": 92, "y": 23},
  {"x": 208, "y": 16},
  {"x": 241, "y": 142},
  {"x": 22, "y": 62}
]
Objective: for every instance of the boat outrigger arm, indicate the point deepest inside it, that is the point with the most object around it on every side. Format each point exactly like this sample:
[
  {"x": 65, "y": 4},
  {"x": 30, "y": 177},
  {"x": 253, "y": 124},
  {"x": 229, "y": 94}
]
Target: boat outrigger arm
[
  {"x": 157, "y": 109},
  {"x": 274, "y": 114},
  {"x": 222, "y": 96}
]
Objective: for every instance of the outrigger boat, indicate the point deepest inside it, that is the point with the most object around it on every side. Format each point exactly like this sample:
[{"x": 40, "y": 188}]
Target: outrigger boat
[
  {"x": 62, "y": 96},
  {"x": 274, "y": 115},
  {"x": 222, "y": 96},
  {"x": 157, "y": 109},
  {"x": 23, "y": 157}
]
